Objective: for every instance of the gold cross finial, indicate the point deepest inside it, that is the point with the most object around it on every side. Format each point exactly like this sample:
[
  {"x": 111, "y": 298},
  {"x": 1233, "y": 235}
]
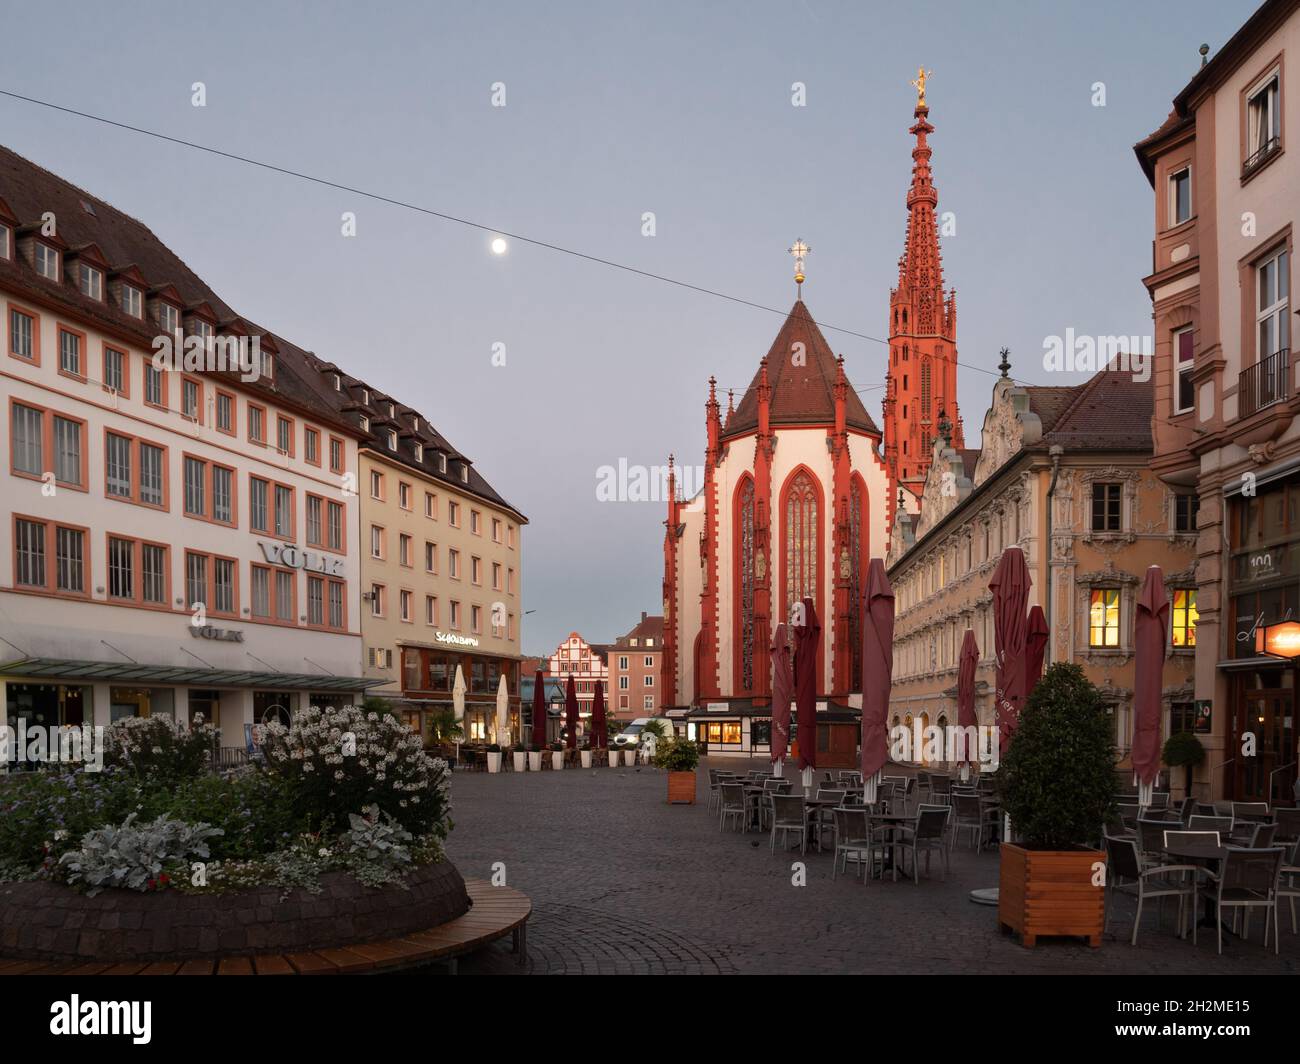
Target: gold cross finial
[
  {"x": 919, "y": 84},
  {"x": 799, "y": 249}
]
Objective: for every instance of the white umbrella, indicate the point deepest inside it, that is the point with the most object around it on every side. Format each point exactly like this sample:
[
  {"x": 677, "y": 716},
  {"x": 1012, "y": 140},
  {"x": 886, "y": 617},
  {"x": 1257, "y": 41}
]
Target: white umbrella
[
  {"x": 503, "y": 713},
  {"x": 458, "y": 702}
]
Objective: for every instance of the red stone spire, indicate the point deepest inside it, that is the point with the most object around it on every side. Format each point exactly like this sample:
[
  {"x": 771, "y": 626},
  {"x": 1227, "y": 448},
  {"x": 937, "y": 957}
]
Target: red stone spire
[{"x": 922, "y": 378}]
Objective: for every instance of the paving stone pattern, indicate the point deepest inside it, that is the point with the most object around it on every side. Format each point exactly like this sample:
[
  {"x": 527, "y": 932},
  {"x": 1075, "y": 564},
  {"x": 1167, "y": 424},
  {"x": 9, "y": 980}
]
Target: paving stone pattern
[{"x": 621, "y": 882}]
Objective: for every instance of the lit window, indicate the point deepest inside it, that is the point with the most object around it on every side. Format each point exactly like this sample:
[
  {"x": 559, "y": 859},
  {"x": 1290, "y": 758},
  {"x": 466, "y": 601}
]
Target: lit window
[
  {"x": 1185, "y": 617},
  {"x": 1103, "y": 620}
]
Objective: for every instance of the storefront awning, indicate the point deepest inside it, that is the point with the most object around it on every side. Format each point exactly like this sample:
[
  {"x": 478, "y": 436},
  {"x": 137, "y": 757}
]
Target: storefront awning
[{"x": 130, "y": 672}]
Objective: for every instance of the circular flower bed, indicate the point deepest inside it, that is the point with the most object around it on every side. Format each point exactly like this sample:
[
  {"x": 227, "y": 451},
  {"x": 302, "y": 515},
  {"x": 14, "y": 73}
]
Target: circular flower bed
[{"x": 340, "y": 826}]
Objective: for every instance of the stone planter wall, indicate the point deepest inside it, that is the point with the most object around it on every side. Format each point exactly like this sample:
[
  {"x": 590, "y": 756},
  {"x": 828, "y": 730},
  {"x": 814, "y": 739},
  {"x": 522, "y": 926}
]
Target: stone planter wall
[{"x": 51, "y": 922}]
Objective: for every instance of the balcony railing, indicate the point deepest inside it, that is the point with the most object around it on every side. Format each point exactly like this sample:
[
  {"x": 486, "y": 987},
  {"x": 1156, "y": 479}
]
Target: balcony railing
[
  {"x": 1259, "y": 156},
  {"x": 1265, "y": 383}
]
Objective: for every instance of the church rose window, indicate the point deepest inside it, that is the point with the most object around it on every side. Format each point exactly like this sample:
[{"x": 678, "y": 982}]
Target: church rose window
[
  {"x": 745, "y": 520},
  {"x": 800, "y": 541}
]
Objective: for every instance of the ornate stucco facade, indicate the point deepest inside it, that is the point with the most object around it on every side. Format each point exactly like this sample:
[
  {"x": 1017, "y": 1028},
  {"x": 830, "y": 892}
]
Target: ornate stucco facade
[{"x": 1047, "y": 456}]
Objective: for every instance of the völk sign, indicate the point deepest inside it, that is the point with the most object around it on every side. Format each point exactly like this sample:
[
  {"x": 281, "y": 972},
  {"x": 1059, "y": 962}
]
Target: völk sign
[{"x": 296, "y": 558}]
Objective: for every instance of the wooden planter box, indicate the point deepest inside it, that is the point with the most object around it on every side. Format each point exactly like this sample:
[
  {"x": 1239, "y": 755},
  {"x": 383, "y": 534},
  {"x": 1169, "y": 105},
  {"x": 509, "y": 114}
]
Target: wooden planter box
[
  {"x": 1050, "y": 892},
  {"x": 681, "y": 788}
]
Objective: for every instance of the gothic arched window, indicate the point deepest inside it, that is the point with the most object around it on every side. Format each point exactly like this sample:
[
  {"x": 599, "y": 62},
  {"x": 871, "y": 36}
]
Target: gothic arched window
[
  {"x": 925, "y": 388},
  {"x": 801, "y": 539},
  {"x": 857, "y": 537},
  {"x": 745, "y": 583}
]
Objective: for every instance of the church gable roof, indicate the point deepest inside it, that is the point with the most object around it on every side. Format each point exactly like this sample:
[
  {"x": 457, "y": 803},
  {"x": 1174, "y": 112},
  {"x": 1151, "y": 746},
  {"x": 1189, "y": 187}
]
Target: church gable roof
[{"x": 801, "y": 394}]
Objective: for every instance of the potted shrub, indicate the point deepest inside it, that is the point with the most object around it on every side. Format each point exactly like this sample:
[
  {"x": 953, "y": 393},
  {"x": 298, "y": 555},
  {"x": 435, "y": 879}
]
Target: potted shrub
[
  {"x": 494, "y": 757},
  {"x": 535, "y": 758},
  {"x": 520, "y": 758},
  {"x": 1184, "y": 749},
  {"x": 679, "y": 758},
  {"x": 557, "y": 756},
  {"x": 586, "y": 755},
  {"x": 1057, "y": 784}
]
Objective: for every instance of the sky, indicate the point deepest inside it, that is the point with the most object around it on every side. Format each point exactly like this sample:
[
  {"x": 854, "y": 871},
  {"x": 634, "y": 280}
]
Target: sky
[{"x": 613, "y": 110}]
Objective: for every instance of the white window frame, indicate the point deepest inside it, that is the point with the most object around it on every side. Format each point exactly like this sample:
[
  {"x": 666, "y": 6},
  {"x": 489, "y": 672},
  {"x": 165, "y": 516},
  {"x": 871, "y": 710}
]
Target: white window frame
[
  {"x": 1278, "y": 310},
  {"x": 92, "y": 282},
  {"x": 132, "y": 301},
  {"x": 1270, "y": 88},
  {"x": 1174, "y": 220},
  {"x": 44, "y": 256},
  {"x": 1181, "y": 369}
]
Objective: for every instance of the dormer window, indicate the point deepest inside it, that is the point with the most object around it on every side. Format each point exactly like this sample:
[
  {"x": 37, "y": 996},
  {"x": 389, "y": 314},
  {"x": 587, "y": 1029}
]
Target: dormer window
[
  {"x": 268, "y": 366},
  {"x": 132, "y": 301},
  {"x": 415, "y": 422},
  {"x": 392, "y": 440},
  {"x": 47, "y": 261},
  {"x": 365, "y": 423},
  {"x": 464, "y": 472},
  {"x": 365, "y": 396},
  {"x": 442, "y": 463},
  {"x": 338, "y": 383},
  {"x": 4, "y": 242},
  {"x": 92, "y": 282},
  {"x": 419, "y": 452},
  {"x": 202, "y": 330},
  {"x": 169, "y": 318},
  {"x": 392, "y": 410}
]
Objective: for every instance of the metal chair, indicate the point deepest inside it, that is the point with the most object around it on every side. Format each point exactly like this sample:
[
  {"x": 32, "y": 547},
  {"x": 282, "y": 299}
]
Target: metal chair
[
  {"x": 1289, "y": 881},
  {"x": 1151, "y": 840},
  {"x": 733, "y": 806},
  {"x": 1257, "y": 811},
  {"x": 1288, "y": 824},
  {"x": 789, "y": 814},
  {"x": 770, "y": 787},
  {"x": 940, "y": 790},
  {"x": 1159, "y": 800},
  {"x": 1221, "y": 824},
  {"x": 853, "y": 841},
  {"x": 969, "y": 816},
  {"x": 1124, "y": 863},
  {"x": 1128, "y": 815},
  {"x": 714, "y": 794},
  {"x": 1248, "y": 880},
  {"x": 1262, "y": 836},
  {"x": 1186, "y": 809},
  {"x": 927, "y": 837}
]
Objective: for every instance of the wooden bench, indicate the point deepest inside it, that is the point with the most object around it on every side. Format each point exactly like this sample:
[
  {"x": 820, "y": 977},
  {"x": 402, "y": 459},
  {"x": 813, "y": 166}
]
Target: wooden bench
[{"x": 496, "y": 912}]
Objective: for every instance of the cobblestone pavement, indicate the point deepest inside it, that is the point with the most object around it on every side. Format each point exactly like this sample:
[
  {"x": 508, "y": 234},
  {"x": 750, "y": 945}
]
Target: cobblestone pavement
[{"x": 621, "y": 882}]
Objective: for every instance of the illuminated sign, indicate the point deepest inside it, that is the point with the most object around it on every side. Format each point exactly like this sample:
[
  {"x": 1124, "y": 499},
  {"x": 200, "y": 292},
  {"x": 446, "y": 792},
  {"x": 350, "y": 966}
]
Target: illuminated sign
[
  {"x": 1280, "y": 640},
  {"x": 452, "y": 639}
]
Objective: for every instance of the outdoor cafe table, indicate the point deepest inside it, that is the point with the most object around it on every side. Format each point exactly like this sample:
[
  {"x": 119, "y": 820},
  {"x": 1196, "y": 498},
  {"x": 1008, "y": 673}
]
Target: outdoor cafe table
[
  {"x": 1199, "y": 852},
  {"x": 893, "y": 820}
]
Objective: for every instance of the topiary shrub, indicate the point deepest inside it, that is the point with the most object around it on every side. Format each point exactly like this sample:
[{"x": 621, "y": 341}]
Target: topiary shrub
[
  {"x": 1057, "y": 778},
  {"x": 1183, "y": 748}
]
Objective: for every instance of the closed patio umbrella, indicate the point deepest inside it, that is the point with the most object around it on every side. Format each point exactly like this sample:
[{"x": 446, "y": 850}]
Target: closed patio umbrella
[
  {"x": 807, "y": 644},
  {"x": 1150, "y": 631},
  {"x": 599, "y": 737},
  {"x": 1036, "y": 635},
  {"x": 538, "y": 737},
  {"x": 571, "y": 714},
  {"x": 503, "y": 712},
  {"x": 1010, "y": 587},
  {"x": 967, "y": 664},
  {"x": 877, "y": 673},
  {"x": 782, "y": 696},
  {"x": 458, "y": 703}
]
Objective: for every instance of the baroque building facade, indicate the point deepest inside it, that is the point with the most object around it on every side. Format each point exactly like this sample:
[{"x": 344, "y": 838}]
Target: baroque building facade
[
  {"x": 1063, "y": 473},
  {"x": 1226, "y": 191}
]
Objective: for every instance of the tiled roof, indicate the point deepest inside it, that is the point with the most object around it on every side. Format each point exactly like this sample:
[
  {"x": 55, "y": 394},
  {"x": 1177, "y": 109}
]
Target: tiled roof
[
  {"x": 84, "y": 222},
  {"x": 1110, "y": 412},
  {"x": 970, "y": 457},
  {"x": 646, "y": 628},
  {"x": 1047, "y": 401},
  {"x": 801, "y": 394}
]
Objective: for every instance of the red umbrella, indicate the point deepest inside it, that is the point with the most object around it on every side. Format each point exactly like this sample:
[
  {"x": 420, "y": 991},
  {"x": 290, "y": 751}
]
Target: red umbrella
[
  {"x": 599, "y": 738},
  {"x": 571, "y": 715},
  {"x": 1036, "y": 634},
  {"x": 807, "y": 643},
  {"x": 1150, "y": 629},
  {"x": 1010, "y": 587},
  {"x": 782, "y": 692},
  {"x": 539, "y": 709},
  {"x": 967, "y": 663},
  {"x": 877, "y": 668}
]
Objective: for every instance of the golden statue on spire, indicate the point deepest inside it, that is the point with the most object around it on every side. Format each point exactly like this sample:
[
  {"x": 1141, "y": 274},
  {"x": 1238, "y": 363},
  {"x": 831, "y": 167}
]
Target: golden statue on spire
[
  {"x": 799, "y": 249},
  {"x": 919, "y": 84}
]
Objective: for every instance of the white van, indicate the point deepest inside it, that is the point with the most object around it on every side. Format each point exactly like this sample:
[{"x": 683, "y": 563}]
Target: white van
[{"x": 631, "y": 735}]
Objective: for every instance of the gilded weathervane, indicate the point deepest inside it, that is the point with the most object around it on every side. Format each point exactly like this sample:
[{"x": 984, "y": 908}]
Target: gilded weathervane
[{"x": 919, "y": 84}]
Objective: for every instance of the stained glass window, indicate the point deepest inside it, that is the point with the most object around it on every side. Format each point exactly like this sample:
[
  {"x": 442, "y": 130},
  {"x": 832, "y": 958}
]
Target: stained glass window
[
  {"x": 801, "y": 563},
  {"x": 745, "y": 519}
]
